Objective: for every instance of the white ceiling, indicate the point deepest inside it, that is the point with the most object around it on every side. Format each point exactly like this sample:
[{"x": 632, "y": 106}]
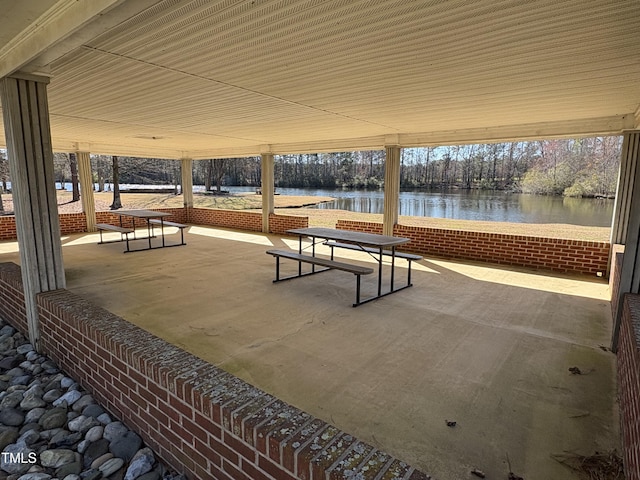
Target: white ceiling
[{"x": 220, "y": 78}]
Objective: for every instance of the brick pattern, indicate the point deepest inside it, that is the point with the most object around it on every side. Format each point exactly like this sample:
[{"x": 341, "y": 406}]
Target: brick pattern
[
  {"x": 251, "y": 221},
  {"x": 628, "y": 367},
  {"x": 8, "y": 227},
  {"x": 12, "y": 306},
  {"x": 279, "y": 224},
  {"x": 202, "y": 421},
  {"x": 555, "y": 254}
]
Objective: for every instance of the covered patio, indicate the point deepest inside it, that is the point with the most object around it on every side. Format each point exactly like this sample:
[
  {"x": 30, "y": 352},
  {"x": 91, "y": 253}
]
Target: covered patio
[{"x": 485, "y": 346}]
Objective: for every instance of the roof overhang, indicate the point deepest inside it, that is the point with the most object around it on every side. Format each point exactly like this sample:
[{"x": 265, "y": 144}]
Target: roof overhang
[{"x": 221, "y": 78}]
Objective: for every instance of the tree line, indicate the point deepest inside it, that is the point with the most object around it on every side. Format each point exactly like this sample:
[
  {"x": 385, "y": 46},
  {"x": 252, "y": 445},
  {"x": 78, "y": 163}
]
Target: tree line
[{"x": 571, "y": 167}]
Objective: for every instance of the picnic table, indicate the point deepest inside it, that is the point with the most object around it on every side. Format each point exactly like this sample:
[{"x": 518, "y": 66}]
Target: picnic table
[
  {"x": 152, "y": 217},
  {"x": 374, "y": 245}
]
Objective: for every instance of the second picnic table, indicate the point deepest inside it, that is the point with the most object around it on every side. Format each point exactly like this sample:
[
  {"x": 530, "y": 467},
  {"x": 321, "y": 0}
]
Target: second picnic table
[{"x": 375, "y": 245}]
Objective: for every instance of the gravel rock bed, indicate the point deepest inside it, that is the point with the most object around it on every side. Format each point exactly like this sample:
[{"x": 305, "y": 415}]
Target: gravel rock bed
[{"x": 51, "y": 429}]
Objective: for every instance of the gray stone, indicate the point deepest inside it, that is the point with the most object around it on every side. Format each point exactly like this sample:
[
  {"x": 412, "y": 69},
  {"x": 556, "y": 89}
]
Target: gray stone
[
  {"x": 29, "y": 437},
  {"x": 111, "y": 466},
  {"x": 11, "y": 417},
  {"x": 93, "y": 410},
  {"x": 65, "y": 439},
  {"x": 66, "y": 382},
  {"x": 24, "y": 349},
  {"x": 141, "y": 463},
  {"x": 8, "y": 436},
  {"x": 52, "y": 395},
  {"x": 91, "y": 475},
  {"x": 94, "y": 433},
  {"x": 54, "y": 418},
  {"x": 114, "y": 430},
  {"x": 7, "y": 363},
  {"x": 100, "y": 460},
  {"x": 69, "y": 398},
  {"x": 49, "y": 434},
  {"x": 35, "y": 476},
  {"x": 73, "y": 468},
  {"x": 7, "y": 330},
  {"x": 84, "y": 401},
  {"x": 105, "y": 419},
  {"x": 34, "y": 415},
  {"x": 11, "y": 400},
  {"x": 6, "y": 344},
  {"x": 30, "y": 426},
  {"x": 53, "y": 384},
  {"x": 16, "y": 451},
  {"x": 57, "y": 457},
  {"x": 72, "y": 476},
  {"x": 33, "y": 356},
  {"x": 95, "y": 450},
  {"x": 21, "y": 380},
  {"x": 126, "y": 446},
  {"x": 153, "y": 475},
  {"x": 15, "y": 372},
  {"x": 32, "y": 400},
  {"x": 82, "y": 424},
  {"x": 83, "y": 445}
]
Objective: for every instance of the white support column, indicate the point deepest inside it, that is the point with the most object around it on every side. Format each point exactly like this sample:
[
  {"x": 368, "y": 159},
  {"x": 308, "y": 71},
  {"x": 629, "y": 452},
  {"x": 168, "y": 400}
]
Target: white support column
[
  {"x": 187, "y": 182},
  {"x": 86, "y": 190},
  {"x": 267, "y": 189},
  {"x": 627, "y": 220},
  {"x": 26, "y": 122},
  {"x": 391, "y": 189},
  {"x": 624, "y": 191}
]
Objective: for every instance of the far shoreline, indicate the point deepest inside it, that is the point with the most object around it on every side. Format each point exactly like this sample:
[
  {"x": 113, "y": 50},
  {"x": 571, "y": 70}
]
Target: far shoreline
[{"x": 303, "y": 206}]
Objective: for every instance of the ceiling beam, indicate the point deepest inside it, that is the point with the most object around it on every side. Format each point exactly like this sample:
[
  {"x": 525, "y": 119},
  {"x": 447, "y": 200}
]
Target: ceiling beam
[
  {"x": 58, "y": 22},
  {"x": 535, "y": 131}
]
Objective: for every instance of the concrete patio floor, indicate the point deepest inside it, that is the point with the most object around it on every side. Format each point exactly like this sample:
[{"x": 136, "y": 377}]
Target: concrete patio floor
[{"x": 487, "y": 347}]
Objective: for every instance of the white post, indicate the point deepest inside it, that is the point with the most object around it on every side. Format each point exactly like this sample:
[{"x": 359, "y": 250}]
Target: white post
[
  {"x": 267, "y": 189},
  {"x": 624, "y": 191},
  {"x": 26, "y": 123},
  {"x": 187, "y": 182},
  {"x": 391, "y": 189},
  {"x": 86, "y": 190},
  {"x": 627, "y": 220}
]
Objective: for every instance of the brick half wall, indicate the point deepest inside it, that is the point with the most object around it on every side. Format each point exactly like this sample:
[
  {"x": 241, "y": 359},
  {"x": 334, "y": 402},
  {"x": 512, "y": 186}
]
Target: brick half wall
[
  {"x": 202, "y": 421},
  {"x": 628, "y": 367},
  {"x": 251, "y": 221},
  {"x": 555, "y": 254}
]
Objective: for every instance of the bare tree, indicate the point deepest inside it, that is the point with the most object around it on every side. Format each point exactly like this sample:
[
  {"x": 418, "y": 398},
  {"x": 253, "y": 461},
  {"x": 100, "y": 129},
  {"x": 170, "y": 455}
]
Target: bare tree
[
  {"x": 117, "y": 203},
  {"x": 219, "y": 168},
  {"x": 73, "y": 164}
]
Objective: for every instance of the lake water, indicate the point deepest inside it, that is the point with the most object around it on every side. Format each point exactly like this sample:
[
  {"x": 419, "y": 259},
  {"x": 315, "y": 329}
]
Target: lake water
[
  {"x": 470, "y": 205},
  {"x": 460, "y": 204}
]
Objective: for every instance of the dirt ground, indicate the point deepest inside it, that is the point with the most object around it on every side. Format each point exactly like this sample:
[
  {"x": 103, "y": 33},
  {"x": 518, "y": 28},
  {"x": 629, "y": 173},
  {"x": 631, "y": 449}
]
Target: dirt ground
[{"x": 303, "y": 205}]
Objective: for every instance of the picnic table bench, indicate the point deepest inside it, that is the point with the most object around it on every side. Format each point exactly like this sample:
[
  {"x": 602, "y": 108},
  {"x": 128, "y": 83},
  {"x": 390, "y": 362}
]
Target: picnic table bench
[
  {"x": 124, "y": 233},
  {"x": 409, "y": 257},
  {"x": 166, "y": 223},
  {"x": 329, "y": 264}
]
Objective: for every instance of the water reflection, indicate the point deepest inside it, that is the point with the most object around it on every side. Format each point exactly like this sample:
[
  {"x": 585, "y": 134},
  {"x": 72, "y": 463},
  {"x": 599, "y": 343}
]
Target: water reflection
[{"x": 490, "y": 206}]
